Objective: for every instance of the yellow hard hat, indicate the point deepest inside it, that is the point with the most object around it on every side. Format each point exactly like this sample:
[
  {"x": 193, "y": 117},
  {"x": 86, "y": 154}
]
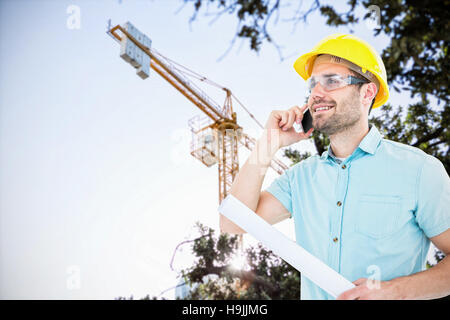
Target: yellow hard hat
[{"x": 354, "y": 50}]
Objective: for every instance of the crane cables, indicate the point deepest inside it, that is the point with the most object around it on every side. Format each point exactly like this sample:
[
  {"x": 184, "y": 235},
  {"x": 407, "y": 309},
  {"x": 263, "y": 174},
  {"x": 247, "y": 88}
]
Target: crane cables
[{"x": 188, "y": 72}]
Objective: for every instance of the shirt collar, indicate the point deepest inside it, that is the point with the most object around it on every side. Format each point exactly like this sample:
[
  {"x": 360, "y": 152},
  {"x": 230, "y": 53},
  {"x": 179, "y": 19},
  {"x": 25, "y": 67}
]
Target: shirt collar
[
  {"x": 368, "y": 144},
  {"x": 371, "y": 141}
]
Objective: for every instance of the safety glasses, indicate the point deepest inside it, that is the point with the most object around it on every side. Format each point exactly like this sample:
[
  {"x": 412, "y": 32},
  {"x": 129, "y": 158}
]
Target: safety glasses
[{"x": 333, "y": 81}]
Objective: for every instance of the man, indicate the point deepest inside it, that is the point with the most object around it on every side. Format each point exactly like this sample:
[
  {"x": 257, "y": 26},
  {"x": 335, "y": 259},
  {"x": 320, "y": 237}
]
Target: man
[{"x": 367, "y": 207}]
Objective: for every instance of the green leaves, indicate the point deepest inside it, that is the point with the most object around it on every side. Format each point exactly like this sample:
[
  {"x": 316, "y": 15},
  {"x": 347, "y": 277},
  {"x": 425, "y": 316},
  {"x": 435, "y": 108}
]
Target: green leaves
[{"x": 212, "y": 277}]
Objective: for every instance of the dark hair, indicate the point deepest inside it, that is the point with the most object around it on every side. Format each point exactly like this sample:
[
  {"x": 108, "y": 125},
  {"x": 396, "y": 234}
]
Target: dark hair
[
  {"x": 371, "y": 105},
  {"x": 360, "y": 77}
]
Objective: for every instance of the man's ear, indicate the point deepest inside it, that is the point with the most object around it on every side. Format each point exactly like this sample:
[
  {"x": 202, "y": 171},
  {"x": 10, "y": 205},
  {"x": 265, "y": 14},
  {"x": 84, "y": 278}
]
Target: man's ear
[{"x": 369, "y": 93}]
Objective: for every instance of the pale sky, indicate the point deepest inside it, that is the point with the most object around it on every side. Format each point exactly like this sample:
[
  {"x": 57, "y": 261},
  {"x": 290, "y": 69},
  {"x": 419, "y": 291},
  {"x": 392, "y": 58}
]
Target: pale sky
[{"x": 97, "y": 186}]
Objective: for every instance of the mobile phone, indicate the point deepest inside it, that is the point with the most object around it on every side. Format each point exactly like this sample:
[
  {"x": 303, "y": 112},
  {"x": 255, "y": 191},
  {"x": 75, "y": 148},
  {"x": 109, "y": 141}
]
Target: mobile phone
[{"x": 306, "y": 123}]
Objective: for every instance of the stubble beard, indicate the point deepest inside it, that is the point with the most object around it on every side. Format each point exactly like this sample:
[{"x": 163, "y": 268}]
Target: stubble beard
[{"x": 346, "y": 115}]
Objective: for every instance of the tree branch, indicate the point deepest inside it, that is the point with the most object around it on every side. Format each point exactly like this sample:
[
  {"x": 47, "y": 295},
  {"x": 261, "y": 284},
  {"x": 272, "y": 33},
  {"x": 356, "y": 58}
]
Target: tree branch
[
  {"x": 180, "y": 244},
  {"x": 429, "y": 137}
]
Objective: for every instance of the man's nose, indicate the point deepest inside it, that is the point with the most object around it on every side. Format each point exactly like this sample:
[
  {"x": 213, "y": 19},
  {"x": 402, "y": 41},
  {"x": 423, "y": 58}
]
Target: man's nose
[
  {"x": 317, "y": 94},
  {"x": 318, "y": 91}
]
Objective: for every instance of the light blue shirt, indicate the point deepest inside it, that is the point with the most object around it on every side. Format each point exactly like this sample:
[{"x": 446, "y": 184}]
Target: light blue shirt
[{"x": 370, "y": 216}]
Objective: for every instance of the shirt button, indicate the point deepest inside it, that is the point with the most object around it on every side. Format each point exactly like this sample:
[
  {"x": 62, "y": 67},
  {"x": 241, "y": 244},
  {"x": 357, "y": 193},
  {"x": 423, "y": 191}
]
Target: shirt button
[
  {"x": 344, "y": 166},
  {"x": 335, "y": 239},
  {"x": 339, "y": 203}
]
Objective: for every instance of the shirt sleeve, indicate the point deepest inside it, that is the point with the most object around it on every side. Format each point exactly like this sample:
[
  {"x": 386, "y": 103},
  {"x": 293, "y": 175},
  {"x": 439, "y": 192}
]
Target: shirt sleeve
[
  {"x": 433, "y": 198},
  {"x": 280, "y": 188}
]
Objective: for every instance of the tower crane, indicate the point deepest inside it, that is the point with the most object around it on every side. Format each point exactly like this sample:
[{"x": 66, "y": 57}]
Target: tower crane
[{"x": 217, "y": 135}]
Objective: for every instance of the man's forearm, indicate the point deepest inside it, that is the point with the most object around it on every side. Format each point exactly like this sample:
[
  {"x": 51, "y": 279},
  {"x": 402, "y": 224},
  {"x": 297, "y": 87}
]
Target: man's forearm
[
  {"x": 429, "y": 284},
  {"x": 248, "y": 182}
]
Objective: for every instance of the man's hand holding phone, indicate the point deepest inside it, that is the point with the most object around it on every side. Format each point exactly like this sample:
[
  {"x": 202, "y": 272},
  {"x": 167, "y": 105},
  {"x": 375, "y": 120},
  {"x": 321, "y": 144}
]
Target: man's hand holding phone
[
  {"x": 279, "y": 131},
  {"x": 281, "y": 123}
]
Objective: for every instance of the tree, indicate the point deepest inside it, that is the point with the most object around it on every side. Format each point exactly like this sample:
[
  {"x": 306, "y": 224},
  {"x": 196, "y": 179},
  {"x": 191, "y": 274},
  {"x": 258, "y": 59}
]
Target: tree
[
  {"x": 262, "y": 276},
  {"x": 213, "y": 276}
]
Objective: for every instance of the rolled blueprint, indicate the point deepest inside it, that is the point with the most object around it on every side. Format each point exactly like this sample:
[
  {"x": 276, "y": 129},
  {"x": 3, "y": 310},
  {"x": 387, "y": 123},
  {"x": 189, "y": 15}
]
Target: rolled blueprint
[{"x": 310, "y": 266}]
